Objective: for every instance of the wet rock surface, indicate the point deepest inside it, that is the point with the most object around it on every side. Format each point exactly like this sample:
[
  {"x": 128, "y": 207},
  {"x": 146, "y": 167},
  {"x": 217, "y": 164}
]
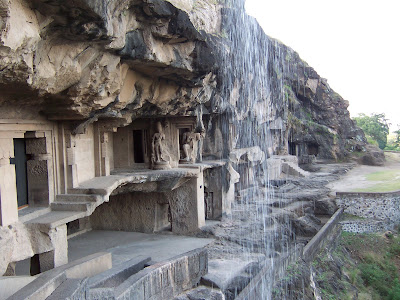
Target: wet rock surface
[
  {"x": 264, "y": 225},
  {"x": 202, "y": 293}
]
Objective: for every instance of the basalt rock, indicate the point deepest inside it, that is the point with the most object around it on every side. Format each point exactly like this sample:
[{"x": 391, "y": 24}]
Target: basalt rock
[
  {"x": 318, "y": 121},
  {"x": 124, "y": 59},
  {"x": 373, "y": 156},
  {"x": 81, "y": 59}
]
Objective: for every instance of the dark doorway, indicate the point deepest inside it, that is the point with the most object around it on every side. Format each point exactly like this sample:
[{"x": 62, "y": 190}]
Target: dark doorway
[
  {"x": 313, "y": 149},
  {"x": 19, "y": 161},
  {"x": 292, "y": 148},
  {"x": 138, "y": 146}
]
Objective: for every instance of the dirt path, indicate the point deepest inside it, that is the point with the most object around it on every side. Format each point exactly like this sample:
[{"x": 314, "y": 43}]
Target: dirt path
[{"x": 371, "y": 178}]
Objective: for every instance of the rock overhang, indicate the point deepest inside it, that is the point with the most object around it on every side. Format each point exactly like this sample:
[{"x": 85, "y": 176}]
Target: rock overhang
[{"x": 76, "y": 65}]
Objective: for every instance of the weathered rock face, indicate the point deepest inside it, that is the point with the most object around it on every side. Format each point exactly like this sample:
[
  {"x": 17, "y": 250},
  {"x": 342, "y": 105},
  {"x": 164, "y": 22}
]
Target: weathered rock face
[
  {"x": 318, "y": 121},
  {"x": 79, "y": 59},
  {"x": 86, "y": 60}
]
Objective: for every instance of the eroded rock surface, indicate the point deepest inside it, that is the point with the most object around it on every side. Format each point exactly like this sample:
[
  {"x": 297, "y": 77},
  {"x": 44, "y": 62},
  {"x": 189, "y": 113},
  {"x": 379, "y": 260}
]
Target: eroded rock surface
[
  {"x": 81, "y": 59},
  {"x": 85, "y": 60},
  {"x": 267, "y": 224}
]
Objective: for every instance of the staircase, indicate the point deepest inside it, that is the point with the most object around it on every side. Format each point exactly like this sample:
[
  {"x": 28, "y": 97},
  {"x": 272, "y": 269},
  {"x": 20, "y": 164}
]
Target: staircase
[
  {"x": 292, "y": 169},
  {"x": 77, "y": 202}
]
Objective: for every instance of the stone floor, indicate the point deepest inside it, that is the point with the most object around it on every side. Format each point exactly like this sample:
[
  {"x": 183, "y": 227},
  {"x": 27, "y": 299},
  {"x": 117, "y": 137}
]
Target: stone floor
[{"x": 127, "y": 245}]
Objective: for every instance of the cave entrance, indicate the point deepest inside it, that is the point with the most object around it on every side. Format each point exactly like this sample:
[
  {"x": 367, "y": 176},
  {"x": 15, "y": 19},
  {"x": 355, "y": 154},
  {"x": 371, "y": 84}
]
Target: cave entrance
[
  {"x": 292, "y": 148},
  {"x": 313, "y": 149},
  {"x": 32, "y": 170}
]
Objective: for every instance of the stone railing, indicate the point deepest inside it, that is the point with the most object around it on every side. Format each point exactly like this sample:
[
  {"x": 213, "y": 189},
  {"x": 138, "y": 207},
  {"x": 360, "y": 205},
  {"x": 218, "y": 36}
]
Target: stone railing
[
  {"x": 261, "y": 283},
  {"x": 325, "y": 237}
]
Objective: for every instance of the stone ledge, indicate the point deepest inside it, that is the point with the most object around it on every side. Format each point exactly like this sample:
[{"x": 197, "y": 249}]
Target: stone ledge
[
  {"x": 116, "y": 275},
  {"x": 166, "y": 280},
  {"x": 46, "y": 283},
  {"x": 54, "y": 219}
]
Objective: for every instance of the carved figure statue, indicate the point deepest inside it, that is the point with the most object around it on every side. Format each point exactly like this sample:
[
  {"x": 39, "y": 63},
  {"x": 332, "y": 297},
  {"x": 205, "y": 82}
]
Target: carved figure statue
[
  {"x": 191, "y": 147},
  {"x": 159, "y": 151}
]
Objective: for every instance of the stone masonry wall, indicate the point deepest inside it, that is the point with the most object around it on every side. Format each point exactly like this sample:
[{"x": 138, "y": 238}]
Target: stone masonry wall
[
  {"x": 378, "y": 206},
  {"x": 366, "y": 226}
]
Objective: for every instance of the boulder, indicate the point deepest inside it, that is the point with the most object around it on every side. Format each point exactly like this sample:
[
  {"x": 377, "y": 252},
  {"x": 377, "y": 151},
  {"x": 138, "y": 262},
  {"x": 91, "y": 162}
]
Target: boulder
[{"x": 373, "y": 156}]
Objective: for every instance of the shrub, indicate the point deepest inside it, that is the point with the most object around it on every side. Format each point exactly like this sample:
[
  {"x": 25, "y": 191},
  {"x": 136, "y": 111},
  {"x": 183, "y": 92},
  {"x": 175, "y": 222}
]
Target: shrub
[{"x": 375, "y": 277}]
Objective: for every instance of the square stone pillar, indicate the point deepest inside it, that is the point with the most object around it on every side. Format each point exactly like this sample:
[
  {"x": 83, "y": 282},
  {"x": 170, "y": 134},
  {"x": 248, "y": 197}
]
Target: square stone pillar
[
  {"x": 102, "y": 145},
  {"x": 187, "y": 206},
  {"x": 8, "y": 187},
  {"x": 105, "y": 155},
  {"x": 40, "y": 171},
  {"x": 219, "y": 191},
  {"x": 72, "y": 168}
]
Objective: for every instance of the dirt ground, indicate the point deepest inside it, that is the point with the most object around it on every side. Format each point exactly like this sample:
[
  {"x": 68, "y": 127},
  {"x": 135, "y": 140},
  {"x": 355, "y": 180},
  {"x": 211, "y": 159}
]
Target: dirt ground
[{"x": 356, "y": 179}]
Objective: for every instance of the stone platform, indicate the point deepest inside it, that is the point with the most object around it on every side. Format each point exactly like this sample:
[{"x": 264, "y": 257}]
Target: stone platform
[{"x": 124, "y": 246}]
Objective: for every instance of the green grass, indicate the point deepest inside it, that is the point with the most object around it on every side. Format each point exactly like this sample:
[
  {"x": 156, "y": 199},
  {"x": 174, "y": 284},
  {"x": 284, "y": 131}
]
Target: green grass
[
  {"x": 388, "y": 181},
  {"x": 350, "y": 217},
  {"x": 374, "y": 271},
  {"x": 384, "y": 175},
  {"x": 380, "y": 188}
]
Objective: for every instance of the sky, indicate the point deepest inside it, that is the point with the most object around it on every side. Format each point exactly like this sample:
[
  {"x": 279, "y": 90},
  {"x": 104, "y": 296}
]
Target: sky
[{"x": 355, "y": 44}]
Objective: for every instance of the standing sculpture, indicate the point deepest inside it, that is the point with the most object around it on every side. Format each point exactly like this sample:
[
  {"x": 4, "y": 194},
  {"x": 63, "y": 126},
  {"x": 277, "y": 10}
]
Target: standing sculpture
[
  {"x": 159, "y": 155},
  {"x": 191, "y": 147}
]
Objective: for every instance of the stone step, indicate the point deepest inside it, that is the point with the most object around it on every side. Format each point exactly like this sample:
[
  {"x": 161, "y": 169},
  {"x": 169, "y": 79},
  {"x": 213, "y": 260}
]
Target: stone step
[
  {"x": 54, "y": 219},
  {"x": 290, "y": 168},
  {"x": 78, "y": 198},
  {"x": 87, "y": 191},
  {"x": 71, "y": 206}
]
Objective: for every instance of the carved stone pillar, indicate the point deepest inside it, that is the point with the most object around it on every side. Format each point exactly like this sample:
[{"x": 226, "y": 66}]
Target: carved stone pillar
[
  {"x": 39, "y": 169},
  {"x": 105, "y": 155},
  {"x": 8, "y": 190},
  {"x": 72, "y": 171},
  {"x": 187, "y": 206}
]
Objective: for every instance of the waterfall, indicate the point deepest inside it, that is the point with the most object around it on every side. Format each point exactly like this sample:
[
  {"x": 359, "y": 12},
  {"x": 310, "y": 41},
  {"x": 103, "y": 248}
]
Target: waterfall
[{"x": 252, "y": 95}]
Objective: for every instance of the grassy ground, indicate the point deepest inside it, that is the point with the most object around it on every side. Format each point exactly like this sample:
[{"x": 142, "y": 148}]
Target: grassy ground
[
  {"x": 374, "y": 267},
  {"x": 361, "y": 266},
  {"x": 386, "y": 181}
]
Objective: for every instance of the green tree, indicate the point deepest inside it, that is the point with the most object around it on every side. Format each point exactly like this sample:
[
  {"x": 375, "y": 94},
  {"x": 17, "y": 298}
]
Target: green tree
[
  {"x": 374, "y": 126},
  {"x": 394, "y": 141},
  {"x": 397, "y": 140}
]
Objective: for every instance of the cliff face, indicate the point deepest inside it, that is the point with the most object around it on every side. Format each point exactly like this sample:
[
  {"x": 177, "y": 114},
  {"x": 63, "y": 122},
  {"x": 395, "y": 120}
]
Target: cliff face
[
  {"x": 123, "y": 59},
  {"x": 317, "y": 116},
  {"x": 83, "y": 59},
  {"x": 269, "y": 88}
]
